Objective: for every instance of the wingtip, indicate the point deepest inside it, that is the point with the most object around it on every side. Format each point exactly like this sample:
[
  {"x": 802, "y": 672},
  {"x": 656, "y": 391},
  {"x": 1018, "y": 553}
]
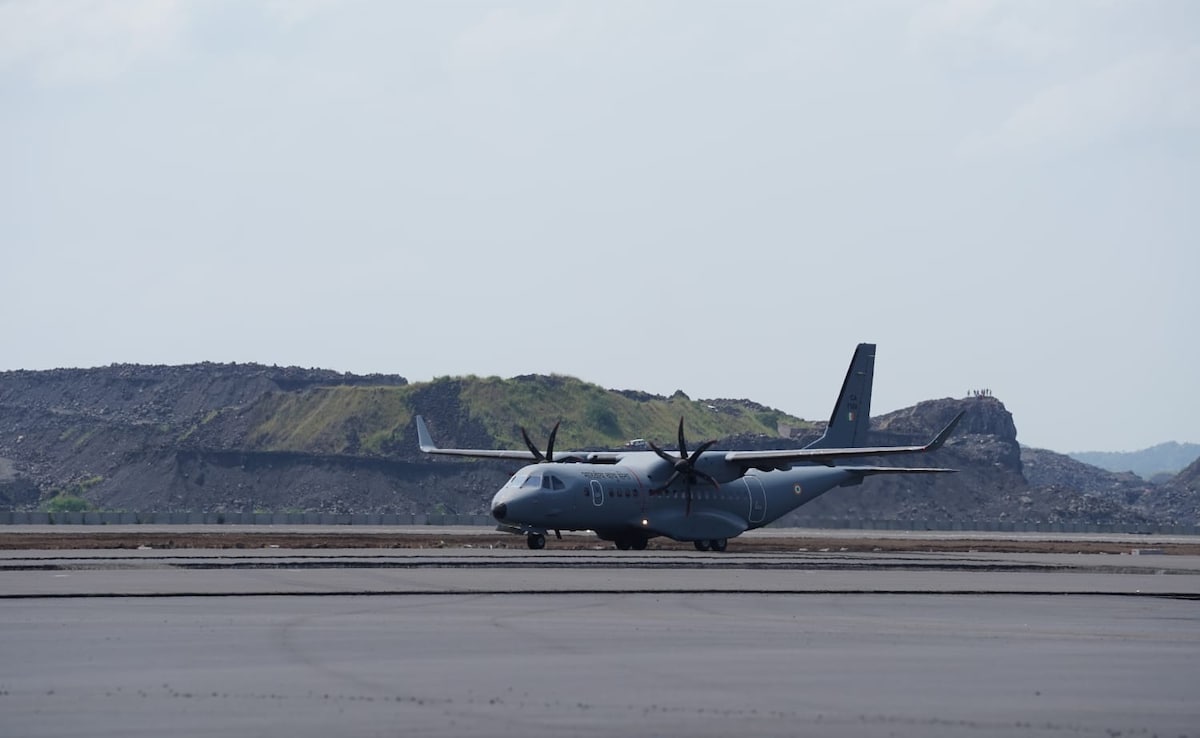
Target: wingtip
[
  {"x": 424, "y": 440},
  {"x": 940, "y": 439}
]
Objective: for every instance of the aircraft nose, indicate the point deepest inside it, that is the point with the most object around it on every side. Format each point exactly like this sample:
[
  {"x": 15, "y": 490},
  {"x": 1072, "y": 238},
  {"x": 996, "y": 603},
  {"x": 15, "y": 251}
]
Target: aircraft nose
[{"x": 500, "y": 512}]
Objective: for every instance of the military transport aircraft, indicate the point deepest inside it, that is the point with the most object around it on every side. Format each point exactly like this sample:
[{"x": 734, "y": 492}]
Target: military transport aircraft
[{"x": 703, "y": 496}]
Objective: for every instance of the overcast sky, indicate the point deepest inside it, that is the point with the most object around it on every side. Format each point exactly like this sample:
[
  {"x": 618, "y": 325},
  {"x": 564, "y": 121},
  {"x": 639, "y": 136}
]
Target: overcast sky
[{"x": 722, "y": 198}]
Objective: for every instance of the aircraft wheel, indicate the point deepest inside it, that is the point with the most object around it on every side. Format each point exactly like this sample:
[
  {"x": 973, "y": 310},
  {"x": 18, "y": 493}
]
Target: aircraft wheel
[
  {"x": 639, "y": 543},
  {"x": 700, "y": 545},
  {"x": 624, "y": 543},
  {"x": 535, "y": 541},
  {"x": 719, "y": 544}
]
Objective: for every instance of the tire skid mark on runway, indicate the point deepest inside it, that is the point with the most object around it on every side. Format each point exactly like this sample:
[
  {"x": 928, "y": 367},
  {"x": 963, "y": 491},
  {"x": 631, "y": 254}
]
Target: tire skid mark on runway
[
  {"x": 523, "y": 623},
  {"x": 298, "y": 649}
]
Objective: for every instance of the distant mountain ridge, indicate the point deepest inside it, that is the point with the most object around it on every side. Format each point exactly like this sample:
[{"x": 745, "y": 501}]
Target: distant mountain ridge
[{"x": 1163, "y": 460}]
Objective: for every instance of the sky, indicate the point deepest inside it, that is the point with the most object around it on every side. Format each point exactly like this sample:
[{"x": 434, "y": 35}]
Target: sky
[{"x": 716, "y": 197}]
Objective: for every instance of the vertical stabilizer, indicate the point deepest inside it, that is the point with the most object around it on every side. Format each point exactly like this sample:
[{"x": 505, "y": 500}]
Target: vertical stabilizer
[{"x": 852, "y": 413}]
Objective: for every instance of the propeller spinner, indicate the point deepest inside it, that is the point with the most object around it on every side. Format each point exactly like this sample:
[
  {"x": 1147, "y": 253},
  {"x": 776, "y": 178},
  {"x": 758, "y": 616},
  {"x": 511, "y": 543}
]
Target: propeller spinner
[{"x": 685, "y": 466}]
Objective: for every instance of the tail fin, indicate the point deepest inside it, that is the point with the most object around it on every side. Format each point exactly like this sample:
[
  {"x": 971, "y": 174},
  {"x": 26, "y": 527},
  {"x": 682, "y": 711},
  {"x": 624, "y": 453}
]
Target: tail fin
[{"x": 852, "y": 413}]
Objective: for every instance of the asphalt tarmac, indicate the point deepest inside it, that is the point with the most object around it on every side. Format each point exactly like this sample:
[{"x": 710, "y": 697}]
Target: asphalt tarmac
[{"x": 477, "y": 642}]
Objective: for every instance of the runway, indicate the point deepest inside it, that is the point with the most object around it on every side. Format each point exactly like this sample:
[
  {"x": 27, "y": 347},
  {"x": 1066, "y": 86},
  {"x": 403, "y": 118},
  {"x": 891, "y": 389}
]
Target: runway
[{"x": 478, "y": 642}]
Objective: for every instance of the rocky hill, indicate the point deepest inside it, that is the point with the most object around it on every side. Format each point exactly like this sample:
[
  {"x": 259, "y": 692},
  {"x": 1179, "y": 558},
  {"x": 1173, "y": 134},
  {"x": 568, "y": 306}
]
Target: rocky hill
[
  {"x": 222, "y": 437},
  {"x": 1161, "y": 461},
  {"x": 1179, "y": 498}
]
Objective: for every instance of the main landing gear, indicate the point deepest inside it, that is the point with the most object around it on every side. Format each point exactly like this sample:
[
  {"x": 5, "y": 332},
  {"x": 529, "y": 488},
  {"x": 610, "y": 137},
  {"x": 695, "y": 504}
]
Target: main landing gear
[
  {"x": 712, "y": 544},
  {"x": 536, "y": 541},
  {"x": 634, "y": 541}
]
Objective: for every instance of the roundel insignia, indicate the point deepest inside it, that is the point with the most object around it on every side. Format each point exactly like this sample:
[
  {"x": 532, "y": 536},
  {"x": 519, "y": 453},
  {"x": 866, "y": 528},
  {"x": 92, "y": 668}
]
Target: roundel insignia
[{"x": 797, "y": 489}]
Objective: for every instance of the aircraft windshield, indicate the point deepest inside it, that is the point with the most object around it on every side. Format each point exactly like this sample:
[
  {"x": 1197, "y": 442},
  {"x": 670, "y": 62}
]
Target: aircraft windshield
[{"x": 525, "y": 480}]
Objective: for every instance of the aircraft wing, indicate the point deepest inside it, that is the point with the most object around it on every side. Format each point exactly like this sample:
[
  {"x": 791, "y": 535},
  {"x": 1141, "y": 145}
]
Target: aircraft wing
[
  {"x": 783, "y": 458},
  {"x": 425, "y": 440},
  {"x": 427, "y": 445}
]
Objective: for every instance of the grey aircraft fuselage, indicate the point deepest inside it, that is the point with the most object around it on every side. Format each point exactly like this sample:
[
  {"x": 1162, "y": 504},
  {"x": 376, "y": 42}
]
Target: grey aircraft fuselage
[
  {"x": 706, "y": 496},
  {"x": 620, "y": 500}
]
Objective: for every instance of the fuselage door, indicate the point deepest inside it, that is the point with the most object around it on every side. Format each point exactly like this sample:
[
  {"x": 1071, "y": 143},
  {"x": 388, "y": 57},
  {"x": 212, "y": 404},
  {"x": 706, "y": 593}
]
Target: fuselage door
[
  {"x": 597, "y": 494},
  {"x": 758, "y": 499}
]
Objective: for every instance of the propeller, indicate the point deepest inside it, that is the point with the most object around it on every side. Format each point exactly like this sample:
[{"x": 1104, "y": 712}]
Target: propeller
[
  {"x": 685, "y": 466},
  {"x": 548, "y": 457},
  {"x": 537, "y": 455}
]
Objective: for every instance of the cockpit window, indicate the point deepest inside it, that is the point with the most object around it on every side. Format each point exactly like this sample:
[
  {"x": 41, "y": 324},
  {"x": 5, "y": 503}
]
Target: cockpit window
[
  {"x": 531, "y": 481},
  {"x": 534, "y": 480}
]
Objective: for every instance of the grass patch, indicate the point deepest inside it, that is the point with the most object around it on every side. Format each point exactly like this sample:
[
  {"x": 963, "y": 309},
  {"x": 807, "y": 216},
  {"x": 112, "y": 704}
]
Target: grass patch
[{"x": 372, "y": 420}]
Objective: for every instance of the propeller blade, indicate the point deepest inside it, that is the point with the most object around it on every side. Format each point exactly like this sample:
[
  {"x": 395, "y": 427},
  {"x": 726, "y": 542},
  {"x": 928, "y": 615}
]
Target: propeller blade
[
  {"x": 662, "y": 454},
  {"x": 708, "y": 478},
  {"x": 685, "y": 466},
  {"x": 550, "y": 445},
  {"x": 665, "y": 485},
  {"x": 537, "y": 455}
]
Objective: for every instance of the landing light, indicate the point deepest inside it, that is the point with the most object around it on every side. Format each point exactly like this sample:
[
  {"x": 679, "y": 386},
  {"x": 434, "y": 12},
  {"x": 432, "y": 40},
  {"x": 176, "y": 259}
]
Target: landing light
[{"x": 645, "y": 522}]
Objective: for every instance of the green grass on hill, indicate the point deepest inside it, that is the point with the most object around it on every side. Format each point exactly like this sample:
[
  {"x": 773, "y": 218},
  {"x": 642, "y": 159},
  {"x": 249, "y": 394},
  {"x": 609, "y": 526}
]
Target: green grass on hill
[{"x": 369, "y": 420}]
